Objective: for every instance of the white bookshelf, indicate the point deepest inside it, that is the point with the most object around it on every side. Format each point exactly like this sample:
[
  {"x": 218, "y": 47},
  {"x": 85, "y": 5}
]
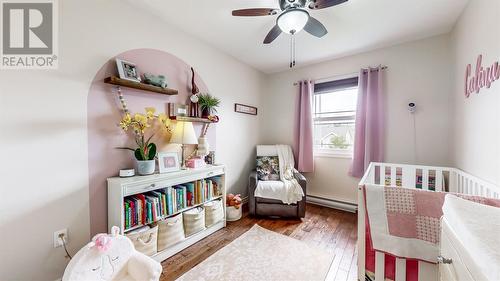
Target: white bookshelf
[{"x": 119, "y": 188}]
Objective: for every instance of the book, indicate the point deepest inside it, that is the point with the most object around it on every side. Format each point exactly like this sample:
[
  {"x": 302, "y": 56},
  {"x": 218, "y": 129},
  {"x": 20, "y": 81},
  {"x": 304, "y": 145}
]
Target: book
[
  {"x": 183, "y": 190},
  {"x": 125, "y": 213},
  {"x": 143, "y": 207},
  {"x": 168, "y": 193},
  {"x": 190, "y": 194}
]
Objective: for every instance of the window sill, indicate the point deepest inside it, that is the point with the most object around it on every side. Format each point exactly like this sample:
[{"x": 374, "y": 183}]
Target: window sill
[{"x": 333, "y": 154}]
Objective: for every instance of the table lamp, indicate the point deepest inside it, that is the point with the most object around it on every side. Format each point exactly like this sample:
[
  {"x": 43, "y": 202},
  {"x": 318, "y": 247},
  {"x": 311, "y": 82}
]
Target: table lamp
[{"x": 184, "y": 134}]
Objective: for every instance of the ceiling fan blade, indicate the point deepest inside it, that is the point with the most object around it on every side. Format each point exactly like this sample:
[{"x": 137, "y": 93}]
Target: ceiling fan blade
[
  {"x": 316, "y": 28},
  {"x": 284, "y": 4},
  {"x": 321, "y": 4},
  {"x": 273, "y": 34},
  {"x": 255, "y": 12}
]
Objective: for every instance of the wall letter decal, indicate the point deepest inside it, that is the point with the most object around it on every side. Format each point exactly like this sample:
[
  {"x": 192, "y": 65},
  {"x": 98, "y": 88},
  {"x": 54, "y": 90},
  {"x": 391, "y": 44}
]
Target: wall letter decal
[{"x": 482, "y": 77}]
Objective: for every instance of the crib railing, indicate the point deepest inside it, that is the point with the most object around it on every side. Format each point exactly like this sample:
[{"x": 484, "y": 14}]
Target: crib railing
[
  {"x": 410, "y": 176},
  {"x": 413, "y": 176},
  {"x": 461, "y": 182}
]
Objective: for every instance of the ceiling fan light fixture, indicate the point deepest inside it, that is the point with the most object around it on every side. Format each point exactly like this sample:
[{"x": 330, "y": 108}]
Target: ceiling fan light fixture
[{"x": 293, "y": 21}]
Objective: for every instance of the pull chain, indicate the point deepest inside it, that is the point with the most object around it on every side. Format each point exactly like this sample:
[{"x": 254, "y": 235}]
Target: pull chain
[{"x": 292, "y": 49}]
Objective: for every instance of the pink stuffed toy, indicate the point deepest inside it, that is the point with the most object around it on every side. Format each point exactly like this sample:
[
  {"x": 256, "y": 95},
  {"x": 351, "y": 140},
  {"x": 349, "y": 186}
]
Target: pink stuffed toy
[
  {"x": 233, "y": 200},
  {"x": 102, "y": 242}
]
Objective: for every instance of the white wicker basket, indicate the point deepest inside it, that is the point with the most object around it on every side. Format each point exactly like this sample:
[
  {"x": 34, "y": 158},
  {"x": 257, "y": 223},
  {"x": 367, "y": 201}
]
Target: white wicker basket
[
  {"x": 194, "y": 220},
  {"x": 233, "y": 214},
  {"x": 145, "y": 241},
  {"x": 214, "y": 212},
  {"x": 170, "y": 231}
]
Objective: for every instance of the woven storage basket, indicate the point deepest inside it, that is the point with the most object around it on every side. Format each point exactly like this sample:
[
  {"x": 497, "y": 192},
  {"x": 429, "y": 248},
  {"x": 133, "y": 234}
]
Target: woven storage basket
[
  {"x": 146, "y": 241},
  {"x": 170, "y": 231},
  {"x": 194, "y": 220},
  {"x": 214, "y": 212}
]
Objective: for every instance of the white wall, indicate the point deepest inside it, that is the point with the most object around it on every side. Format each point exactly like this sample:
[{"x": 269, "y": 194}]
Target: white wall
[
  {"x": 417, "y": 72},
  {"x": 477, "y": 119},
  {"x": 44, "y": 182}
]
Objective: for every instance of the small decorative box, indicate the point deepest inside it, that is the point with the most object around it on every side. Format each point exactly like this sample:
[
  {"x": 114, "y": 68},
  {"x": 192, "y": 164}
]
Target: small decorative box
[{"x": 195, "y": 163}]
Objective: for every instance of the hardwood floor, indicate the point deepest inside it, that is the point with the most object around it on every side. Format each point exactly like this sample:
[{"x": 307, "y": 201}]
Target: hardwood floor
[{"x": 332, "y": 230}]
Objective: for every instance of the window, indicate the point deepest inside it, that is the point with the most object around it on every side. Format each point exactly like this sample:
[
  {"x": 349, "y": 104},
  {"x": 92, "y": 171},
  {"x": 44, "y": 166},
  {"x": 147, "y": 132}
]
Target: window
[{"x": 334, "y": 109}]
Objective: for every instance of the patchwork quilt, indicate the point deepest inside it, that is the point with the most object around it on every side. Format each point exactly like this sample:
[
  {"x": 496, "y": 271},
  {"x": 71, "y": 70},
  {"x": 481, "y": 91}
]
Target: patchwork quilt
[{"x": 405, "y": 222}]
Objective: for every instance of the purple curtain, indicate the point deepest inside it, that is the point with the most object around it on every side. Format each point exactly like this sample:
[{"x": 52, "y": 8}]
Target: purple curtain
[
  {"x": 368, "y": 140},
  {"x": 303, "y": 134}
]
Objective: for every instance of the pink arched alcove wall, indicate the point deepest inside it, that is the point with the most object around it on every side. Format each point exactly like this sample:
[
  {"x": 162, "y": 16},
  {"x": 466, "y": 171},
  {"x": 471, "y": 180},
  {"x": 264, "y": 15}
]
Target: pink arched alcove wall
[{"x": 104, "y": 113}]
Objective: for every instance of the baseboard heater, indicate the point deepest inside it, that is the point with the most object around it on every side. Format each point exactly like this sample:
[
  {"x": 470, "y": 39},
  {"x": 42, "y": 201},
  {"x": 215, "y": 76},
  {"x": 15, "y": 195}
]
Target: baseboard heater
[{"x": 331, "y": 203}]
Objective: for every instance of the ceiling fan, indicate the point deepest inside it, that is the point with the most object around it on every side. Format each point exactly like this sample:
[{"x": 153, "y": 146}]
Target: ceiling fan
[{"x": 293, "y": 17}]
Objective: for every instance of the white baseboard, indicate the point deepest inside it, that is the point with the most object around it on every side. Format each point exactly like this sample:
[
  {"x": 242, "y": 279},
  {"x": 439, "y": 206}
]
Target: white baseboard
[{"x": 334, "y": 204}]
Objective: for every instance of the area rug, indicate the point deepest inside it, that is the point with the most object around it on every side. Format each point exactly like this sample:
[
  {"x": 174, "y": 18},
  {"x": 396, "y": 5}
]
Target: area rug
[{"x": 261, "y": 254}]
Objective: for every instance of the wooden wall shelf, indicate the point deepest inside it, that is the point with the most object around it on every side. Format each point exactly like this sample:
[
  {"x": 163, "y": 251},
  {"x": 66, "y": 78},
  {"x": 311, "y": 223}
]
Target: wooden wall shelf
[
  {"x": 140, "y": 86},
  {"x": 191, "y": 119}
]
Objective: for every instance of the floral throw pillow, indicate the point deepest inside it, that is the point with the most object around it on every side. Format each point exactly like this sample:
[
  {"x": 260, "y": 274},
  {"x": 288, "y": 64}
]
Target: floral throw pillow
[{"x": 268, "y": 168}]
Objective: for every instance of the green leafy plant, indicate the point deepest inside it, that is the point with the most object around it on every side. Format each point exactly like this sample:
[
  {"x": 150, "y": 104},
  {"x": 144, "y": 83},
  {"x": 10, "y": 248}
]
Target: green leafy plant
[
  {"x": 339, "y": 142},
  {"x": 208, "y": 102},
  {"x": 147, "y": 151}
]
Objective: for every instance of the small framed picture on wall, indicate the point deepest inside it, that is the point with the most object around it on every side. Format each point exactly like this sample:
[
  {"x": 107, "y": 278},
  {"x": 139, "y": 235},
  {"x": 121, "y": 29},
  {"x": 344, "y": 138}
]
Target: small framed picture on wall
[
  {"x": 168, "y": 162},
  {"x": 247, "y": 109},
  {"x": 127, "y": 70}
]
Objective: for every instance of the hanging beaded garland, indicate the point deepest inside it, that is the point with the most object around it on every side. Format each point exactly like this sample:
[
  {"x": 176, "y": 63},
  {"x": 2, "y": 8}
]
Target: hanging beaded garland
[{"x": 122, "y": 101}]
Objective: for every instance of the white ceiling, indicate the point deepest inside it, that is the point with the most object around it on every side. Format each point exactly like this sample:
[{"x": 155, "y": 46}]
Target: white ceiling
[{"x": 354, "y": 27}]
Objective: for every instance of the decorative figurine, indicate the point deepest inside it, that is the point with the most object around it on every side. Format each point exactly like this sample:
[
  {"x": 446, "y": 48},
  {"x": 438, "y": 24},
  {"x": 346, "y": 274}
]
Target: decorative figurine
[
  {"x": 194, "y": 97},
  {"x": 154, "y": 80}
]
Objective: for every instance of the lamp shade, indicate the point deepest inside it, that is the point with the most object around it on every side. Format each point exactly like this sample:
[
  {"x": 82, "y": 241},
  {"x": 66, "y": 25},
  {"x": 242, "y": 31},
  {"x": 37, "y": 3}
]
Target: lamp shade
[
  {"x": 293, "y": 21},
  {"x": 184, "y": 133}
]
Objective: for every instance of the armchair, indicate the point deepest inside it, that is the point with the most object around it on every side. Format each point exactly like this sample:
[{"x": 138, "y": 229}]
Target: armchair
[{"x": 271, "y": 207}]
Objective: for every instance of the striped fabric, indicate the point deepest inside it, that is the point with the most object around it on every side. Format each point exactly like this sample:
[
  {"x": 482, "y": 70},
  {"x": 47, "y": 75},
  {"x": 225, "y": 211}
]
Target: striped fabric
[
  {"x": 170, "y": 231},
  {"x": 194, "y": 220},
  {"x": 213, "y": 212},
  {"x": 145, "y": 241}
]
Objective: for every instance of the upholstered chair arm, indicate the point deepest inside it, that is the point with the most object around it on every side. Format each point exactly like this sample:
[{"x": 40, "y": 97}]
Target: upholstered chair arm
[
  {"x": 302, "y": 181},
  {"x": 252, "y": 185},
  {"x": 302, "y": 204},
  {"x": 142, "y": 267}
]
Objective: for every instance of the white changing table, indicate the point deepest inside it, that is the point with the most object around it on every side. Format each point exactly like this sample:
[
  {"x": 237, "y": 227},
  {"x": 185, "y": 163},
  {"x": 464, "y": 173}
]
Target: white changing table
[{"x": 470, "y": 241}]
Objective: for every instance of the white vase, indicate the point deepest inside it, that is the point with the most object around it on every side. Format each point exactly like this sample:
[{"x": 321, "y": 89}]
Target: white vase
[
  {"x": 233, "y": 214},
  {"x": 146, "y": 167},
  {"x": 203, "y": 147}
]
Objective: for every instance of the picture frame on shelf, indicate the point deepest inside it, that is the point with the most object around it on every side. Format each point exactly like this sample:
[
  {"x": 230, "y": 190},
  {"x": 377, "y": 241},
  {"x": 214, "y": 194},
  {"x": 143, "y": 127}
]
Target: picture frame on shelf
[
  {"x": 127, "y": 70},
  {"x": 246, "y": 109},
  {"x": 168, "y": 162},
  {"x": 210, "y": 158},
  {"x": 177, "y": 109}
]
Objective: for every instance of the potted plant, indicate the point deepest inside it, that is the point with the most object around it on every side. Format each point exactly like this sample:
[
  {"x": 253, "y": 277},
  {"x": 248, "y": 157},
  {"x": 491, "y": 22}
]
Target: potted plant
[
  {"x": 208, "y": 104},
  {"x": 145, "y": 153}
]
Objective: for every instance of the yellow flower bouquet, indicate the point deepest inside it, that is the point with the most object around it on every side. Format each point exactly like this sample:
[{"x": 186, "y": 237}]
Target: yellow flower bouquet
[{"x": 140, "y": 124}]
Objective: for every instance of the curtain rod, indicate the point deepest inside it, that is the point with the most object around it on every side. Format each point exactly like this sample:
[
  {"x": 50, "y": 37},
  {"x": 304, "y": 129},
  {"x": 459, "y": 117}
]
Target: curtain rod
[{"x": 345, "y": 75}]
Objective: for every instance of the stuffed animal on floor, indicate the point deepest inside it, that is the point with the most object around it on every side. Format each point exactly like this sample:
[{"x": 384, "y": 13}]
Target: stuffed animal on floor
[
  {"x": 111, "y": 257},
  {"x": 233, "y": 200}
]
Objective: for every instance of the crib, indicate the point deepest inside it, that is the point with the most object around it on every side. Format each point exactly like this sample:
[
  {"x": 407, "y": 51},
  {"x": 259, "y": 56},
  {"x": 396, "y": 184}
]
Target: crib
[{"x": 411, "y": 176}]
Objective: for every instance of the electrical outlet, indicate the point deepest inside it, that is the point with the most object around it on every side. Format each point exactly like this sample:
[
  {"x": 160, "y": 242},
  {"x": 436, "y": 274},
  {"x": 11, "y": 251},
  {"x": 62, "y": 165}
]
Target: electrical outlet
[{"x": 57, "y": 239}]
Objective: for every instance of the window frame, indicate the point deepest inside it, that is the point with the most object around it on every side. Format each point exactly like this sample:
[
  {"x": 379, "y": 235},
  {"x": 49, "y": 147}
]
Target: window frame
[{"x": 337, "y": 84}]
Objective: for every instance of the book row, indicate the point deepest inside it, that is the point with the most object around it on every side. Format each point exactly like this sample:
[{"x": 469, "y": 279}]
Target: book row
[{"x": 145, "y": 208}]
